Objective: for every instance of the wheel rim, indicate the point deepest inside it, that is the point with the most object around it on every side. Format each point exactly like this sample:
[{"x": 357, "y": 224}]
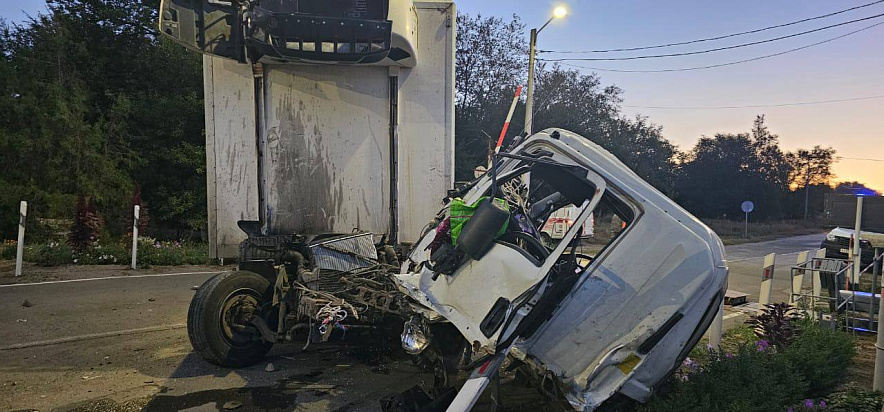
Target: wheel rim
[{"x": 238, "y": 308}]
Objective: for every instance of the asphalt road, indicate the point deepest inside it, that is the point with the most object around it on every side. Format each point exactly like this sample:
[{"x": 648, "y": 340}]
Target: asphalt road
[
  {"x": 120, "y": 344},
  {"x": 746, "y": 264}
]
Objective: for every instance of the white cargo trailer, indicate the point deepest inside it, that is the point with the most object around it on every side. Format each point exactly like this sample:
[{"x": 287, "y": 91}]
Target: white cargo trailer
[{"x": 316, "y": 146}]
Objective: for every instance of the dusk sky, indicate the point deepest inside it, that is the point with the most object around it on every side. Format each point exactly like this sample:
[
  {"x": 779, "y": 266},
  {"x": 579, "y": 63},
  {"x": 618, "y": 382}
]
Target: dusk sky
[{"x": 847, "y": 68}]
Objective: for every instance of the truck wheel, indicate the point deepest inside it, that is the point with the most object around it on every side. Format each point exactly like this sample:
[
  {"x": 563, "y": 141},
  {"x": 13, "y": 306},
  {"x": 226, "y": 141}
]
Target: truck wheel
[
  {"x": 218, "y": 315},
  {"x": 547, "y": 240}
]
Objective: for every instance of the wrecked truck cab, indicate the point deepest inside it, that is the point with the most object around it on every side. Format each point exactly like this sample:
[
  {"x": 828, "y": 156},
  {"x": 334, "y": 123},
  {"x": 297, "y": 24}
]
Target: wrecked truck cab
[{"x": 617, "y": 315}]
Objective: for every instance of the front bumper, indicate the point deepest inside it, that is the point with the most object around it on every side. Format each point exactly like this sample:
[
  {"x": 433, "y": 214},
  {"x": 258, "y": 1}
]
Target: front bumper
[{"x": 839, "y": 250}]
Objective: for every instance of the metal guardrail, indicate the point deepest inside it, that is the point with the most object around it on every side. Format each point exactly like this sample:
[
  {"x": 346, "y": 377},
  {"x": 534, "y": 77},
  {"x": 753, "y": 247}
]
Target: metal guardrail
[{"x": 830, "y": 275}]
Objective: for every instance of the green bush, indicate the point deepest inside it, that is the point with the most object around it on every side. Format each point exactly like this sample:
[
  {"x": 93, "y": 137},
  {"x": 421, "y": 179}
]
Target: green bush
[
  {"x": 822, "y": 356},
  {"x": 8, "y": 249},
  {"x": 152, "y": 252},
  {"x": 751, "y": 380},
  {"x": 763, "y": 378},
  {"x": 50, "y": 254},
  {"x": 855, "y": 400},
  {"x": 112, "y": 254}
]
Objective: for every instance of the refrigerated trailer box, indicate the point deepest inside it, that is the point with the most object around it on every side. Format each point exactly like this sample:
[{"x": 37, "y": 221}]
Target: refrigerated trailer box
[{"x": 317, "y": 148}]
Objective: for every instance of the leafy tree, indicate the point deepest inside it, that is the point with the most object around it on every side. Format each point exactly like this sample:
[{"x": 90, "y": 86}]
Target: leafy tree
[
  {"x": 94, "y": 101},
  {"x": 86, "y": 227},
  {"x": 491, "y": 59},
  {"x": 719, "y": 173},
  {"x": 492, "y": 62},
  {"x": 811, "y": 167}
]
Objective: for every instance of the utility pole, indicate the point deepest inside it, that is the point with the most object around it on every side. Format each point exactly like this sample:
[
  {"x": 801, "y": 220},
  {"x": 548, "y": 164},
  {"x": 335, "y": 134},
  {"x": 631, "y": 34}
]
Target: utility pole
[{"x": 806, "y": 191}]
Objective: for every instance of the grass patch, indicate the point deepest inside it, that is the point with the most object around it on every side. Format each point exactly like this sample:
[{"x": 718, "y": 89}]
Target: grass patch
[{"x": 732, "y": 232}]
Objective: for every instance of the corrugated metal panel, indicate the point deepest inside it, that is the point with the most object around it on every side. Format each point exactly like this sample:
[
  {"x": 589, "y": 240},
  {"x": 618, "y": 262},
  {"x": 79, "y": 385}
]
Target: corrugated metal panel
[
  {"x": 426, "y": 121},
  {"x": 327, "y": 149},
  {"x": 345, "y": 253},
  {"x": 231, "y": 157}
]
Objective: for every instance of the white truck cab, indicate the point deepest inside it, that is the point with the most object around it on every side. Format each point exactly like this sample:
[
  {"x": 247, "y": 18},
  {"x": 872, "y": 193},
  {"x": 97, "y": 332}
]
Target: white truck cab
[{"x": 619, "y": 320}]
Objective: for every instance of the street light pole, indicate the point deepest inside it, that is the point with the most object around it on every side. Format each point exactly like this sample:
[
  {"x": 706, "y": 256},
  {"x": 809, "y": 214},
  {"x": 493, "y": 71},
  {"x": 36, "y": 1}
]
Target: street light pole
[
  {"x": 559, "y": 12},
  {"x": 529, "y": 98}
]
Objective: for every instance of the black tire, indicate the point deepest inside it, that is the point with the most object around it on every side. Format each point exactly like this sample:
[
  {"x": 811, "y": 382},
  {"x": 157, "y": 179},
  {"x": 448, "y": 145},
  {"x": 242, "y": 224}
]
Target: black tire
[
  {"x": 205, "y": 320},
  {"x": 547, "y": 240}
]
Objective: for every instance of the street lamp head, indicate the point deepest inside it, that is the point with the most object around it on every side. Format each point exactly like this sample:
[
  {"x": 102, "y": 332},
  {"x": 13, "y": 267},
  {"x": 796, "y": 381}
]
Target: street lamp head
[{"x": 560, "y": 11}]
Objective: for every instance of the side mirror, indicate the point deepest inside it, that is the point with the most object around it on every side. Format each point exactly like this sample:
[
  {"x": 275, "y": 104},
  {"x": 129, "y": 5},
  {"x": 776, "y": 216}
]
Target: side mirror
[{"x": 479, "y": 232}]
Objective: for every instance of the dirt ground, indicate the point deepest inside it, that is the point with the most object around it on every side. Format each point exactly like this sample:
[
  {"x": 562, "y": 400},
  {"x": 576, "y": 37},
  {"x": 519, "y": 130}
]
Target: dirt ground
[{"x": 860, "y": 374}]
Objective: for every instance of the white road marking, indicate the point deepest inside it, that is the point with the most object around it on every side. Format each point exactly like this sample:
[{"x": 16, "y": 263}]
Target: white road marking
[
  {"x": 70, "y": 339},
  {"x": 762, "y": 257},
  {"x": 108, "y": 277}
]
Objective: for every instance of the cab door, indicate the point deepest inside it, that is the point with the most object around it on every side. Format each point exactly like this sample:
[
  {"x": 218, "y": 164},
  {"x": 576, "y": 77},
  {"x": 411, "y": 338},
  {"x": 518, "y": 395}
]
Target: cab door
[
  {"x": 486, "y": 289},
  {"x": 207, "y": 26}
]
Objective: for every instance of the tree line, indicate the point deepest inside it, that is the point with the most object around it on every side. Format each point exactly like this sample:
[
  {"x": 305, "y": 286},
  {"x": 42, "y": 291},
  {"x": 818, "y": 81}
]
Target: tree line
[
  {"x": 710, "y": 179},
  {"x": 95, "y": 103}
]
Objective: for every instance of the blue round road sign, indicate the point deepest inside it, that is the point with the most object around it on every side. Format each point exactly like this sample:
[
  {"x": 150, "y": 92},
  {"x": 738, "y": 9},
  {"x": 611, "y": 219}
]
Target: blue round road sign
[{"x": 748, "y": 206}]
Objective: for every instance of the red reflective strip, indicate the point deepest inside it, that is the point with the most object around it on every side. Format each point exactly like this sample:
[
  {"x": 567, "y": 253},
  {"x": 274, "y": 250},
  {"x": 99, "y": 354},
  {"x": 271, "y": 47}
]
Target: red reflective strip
[{"x": 484, "y": 366}]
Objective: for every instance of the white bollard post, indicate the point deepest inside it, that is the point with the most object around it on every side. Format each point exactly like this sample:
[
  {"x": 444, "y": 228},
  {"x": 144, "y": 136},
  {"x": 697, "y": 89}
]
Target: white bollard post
[
  {"x": 817, "y": 284},
  {"x": 716, "y": 327},
  {"x": 766, "y": 280},
  {"x": 855, "y": 257},
  {"x": 20, "y": 247},
  {"x": 135, "y": 237},
  {"x": 798, "y": 279}
]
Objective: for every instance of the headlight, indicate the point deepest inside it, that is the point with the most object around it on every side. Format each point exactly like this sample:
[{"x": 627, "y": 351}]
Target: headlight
[
  {"x": 414, "y": 337},
  {"x": 830, "y": 237}
]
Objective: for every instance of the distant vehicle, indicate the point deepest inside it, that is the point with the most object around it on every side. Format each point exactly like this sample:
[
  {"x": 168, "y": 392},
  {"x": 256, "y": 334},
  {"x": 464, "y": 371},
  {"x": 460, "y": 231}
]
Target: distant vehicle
[
  {"x": 837, "y": 245},
  {"x": 561, "y": 220}
]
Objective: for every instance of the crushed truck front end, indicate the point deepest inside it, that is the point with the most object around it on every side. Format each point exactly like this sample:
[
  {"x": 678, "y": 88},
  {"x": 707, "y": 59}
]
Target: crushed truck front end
[{"x": 615, "y": 313}]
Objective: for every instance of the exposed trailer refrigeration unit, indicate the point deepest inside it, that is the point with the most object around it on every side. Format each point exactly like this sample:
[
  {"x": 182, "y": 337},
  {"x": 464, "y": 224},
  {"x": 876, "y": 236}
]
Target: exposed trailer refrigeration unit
[{"x": 323, "y": 116}]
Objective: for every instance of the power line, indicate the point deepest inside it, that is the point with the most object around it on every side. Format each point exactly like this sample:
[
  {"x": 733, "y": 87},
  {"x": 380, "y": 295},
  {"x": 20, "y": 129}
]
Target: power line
[
  {"x": 718, "y": 37},
  {"x": 858, "y": 158},
  {"x": 759, "y": 105},
  {"x": 654, "y": 56},
  {"x": 712, "y": 66}
]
